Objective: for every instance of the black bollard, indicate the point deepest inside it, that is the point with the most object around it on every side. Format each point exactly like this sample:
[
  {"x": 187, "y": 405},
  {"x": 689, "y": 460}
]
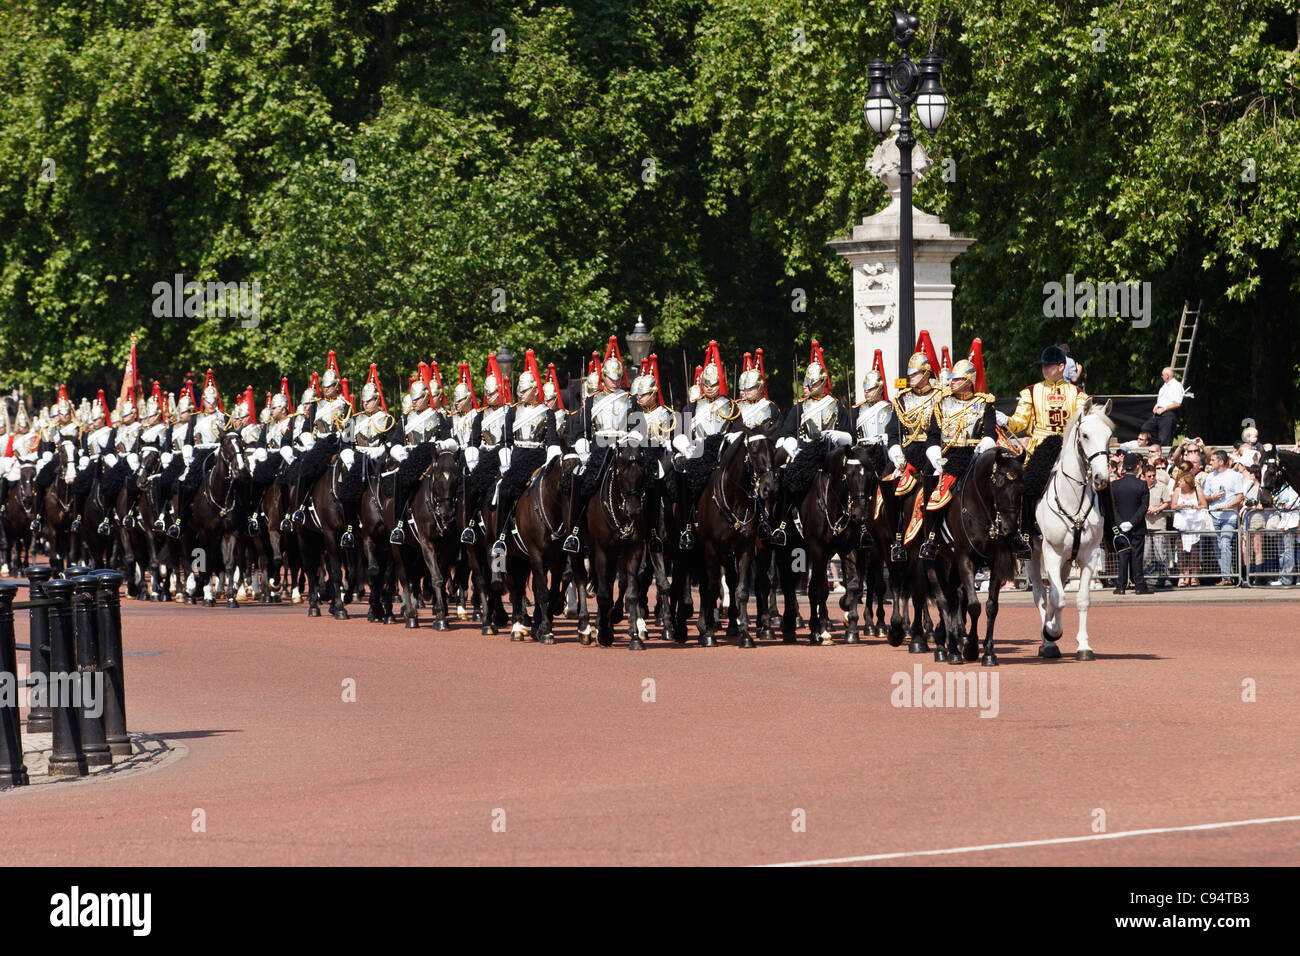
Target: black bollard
[
  {"x": 67, "y": 760},
  {"x": 111, "y": 662},
  {"x": 12, "y": 771},
  {"x": 38, "y": 718},
  {"x": 90, "y": 712},
  {"x": 76, "y": 571}
]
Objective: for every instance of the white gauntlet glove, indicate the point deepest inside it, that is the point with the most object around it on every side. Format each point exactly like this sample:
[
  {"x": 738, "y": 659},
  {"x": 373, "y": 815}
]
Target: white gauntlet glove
[
  {"x": 133, "y": 461},
  {"x": 985, "y": 444},
  {"x": 790, "y": 444},
  {"x": 448, "y": 444},
  {"x": 286, "y": 452},
  {"x": 583, "y": 447},
  {"x": 399, "y": 453},
  {"x": 187, "y": 453},
  {"x": 936, "y": 458},
  {"x": 552, "y": 453},
  {"x": 503, "y": 458},
  {"x": 682, "y": 445},
  {"x": 838, "y": 437},
  {"x": 110, "y": 460},
  {"x": 347, "y": 456},
  {"x": 896, "y": 456},
  {"x": 1126, "y": 526},
  {"x": 471, "y": 458}
]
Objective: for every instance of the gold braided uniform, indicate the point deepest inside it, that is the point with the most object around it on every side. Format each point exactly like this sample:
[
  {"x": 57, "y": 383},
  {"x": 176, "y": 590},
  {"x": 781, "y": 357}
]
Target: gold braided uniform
[{"x": 1045, "y": 408}]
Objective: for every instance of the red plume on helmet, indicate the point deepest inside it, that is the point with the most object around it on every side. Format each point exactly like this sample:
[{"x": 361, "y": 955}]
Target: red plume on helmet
[
  {"x": 816, "y": 355},
  {"x": 435, "y": 376},
  {"x": 373, "y": 379},
  {"x": 762, "y": 372},
  {"x": 653, "y": 360},
  {"x": 946, "y": 358},
  {"x": 315, "y": 383},
  {"x": 426, "y": 375},
  {"x": 503, "y": 386},
  {"x": 530, "y": 365},
  {"x": 612, "y": 350},
  {"x": 347, "y": 395},
  {"x": 189, "y": 390},
  {"x": 157, "y": 395},
  {"x": 250, "y": 403},
  {"x": 468, "y": 383},
  {"x": 332, "y": 364},
  {"x": 554, "y": 381},
  {"x": 713, "y": 357},
  {"x": 284, "y": 390},
  {"x": 977, "y": 359},
  {"x": 878, "y": 363},
  {"x": 267, "y": 407},
  {"x": 211, "y": 383},
  {"x": 699, "y": 370},
  {"x": 103, "y": 406},
  {"x": 923, "y": 344},
  {"x": 593, "y": 367}
]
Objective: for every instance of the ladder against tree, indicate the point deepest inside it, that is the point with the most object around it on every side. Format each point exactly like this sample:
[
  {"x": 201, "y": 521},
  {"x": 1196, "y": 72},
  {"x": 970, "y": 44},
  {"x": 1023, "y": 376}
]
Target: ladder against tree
[{"x": 1187, "y": 325}]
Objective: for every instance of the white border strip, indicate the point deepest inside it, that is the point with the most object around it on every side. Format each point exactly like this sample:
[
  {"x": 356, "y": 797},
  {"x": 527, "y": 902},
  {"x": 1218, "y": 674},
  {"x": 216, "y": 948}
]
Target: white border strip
[{"x": 1056, "y": 841}]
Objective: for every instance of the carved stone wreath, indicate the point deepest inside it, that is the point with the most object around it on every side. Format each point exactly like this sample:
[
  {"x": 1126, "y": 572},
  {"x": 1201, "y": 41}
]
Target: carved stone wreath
[{"x": 876, "y": 307}]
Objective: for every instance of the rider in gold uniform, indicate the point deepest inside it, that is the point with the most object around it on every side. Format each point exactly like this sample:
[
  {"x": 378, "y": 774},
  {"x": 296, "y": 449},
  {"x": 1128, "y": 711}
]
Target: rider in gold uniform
[{"x": 1045, "y": 408}]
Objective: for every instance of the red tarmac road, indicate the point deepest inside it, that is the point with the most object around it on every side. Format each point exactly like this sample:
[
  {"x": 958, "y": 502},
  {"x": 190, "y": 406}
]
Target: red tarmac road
[{"x": 452, "y": 731}]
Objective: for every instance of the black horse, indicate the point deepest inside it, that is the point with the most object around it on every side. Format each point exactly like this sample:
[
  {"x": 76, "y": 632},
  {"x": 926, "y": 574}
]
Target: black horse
[
  {"x": 217, "y": 519},
  {"x": 728, "y": 511},
  {"x": 616, "y": 532},
  {"x": 981, "y": 519},
  {"x": 436, "y": 507}
]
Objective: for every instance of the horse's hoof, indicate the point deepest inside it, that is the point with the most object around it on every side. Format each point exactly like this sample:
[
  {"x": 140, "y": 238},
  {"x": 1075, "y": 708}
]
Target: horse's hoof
[
  {"x": 765, "y": 634},
  {"x": 1051, "y": 653},
  {"x": 789, "y": 639},
  {"x": 972, "y": 651},
  {"x": 584, "y": 636},
  {"x": 313, "y": 612},
  {"x": 707, "y": 640},
  {"x": 851, "y": 637},
  {"x": 825, "y": 639},
  {"x": 232, "y": 602},
  {"x": 990, "y": 660},
  {"x": 895, "y": 637},
  {"x": 209, "y": 602},
  {"x": 547, "y": 638},
  {"x": 372, "y": 617},
  {"x": 940, "y": 655},
  {"x": 411, "y": 622},
  {"x": 918, "y": 645},
  {"x": 516, "y": 637},
  {"x": 747, "y": 641},
  {"x": 635, "y": 644},
  {"x": 1084, "y": 655},
  {"x": 604, "y": 641},
  {"x": 955, "y": 658},
  {"x": 439, "y": 624},
  {"x": 485, "y": 630},
  {"x": 341, "y": 614}
]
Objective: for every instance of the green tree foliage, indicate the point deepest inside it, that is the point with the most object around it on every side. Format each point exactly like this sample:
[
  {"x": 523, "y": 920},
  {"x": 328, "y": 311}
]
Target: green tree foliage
[{"x": 384, "y": 168}]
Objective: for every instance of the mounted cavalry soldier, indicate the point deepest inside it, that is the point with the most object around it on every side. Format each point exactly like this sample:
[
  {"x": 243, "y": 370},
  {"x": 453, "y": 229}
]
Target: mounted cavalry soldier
[
  {"x": 409, "y": 445},
  {"x": 757, "y": 411},
  {"x": 553, "y": 400},
  {"x": 97, "y": 441},
  {"x": 914, "y": 440},
  {"x": 63, "y": 432},
  {"x": 531, "y": 441},
  {"x": 658, "y": 423},
  {"x": 201, "y": 433},
  {"x": 968, "y": 426},
  {"x": 871, "y": 418},
  {"x": 465, "y": 409},
  {"x": 603, "y": 422},
  {"x": 333, "y": 410},
  {"x": 711, "y": 417},
  {"x": 1044, "y": 410},
  {"x": 819, "y": 418},
  {"x": 487, "y": 438}
]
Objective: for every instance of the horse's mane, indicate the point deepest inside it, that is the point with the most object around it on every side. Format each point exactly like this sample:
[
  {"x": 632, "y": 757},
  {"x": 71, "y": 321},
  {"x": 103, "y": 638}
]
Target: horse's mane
[{"x": 731, "y": 450}]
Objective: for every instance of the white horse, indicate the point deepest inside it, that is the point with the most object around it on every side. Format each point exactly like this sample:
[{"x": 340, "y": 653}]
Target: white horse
[{"x": 1071, "y": 526}]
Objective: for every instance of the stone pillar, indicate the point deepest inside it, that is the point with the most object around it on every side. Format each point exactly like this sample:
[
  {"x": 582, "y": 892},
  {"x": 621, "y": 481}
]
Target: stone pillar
[{"x": 872, "y": 252}]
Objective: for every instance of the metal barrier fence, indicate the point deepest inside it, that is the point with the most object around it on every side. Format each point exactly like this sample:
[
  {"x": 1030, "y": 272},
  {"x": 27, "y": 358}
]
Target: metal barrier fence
[
  {"x": 75, "y": 636},
  {"x": 1270, "y": 545},
  {"x": 1173, "y": 555}
]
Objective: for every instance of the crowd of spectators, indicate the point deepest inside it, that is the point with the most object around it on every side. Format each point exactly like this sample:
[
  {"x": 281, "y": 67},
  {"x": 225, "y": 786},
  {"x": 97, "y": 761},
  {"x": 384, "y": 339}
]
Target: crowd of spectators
[{"x": 1199, "y": 500}]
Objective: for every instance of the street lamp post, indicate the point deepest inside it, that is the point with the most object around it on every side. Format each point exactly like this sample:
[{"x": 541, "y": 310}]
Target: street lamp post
[
  {"x": 902, "y": 85},
  {"x": 506, "y": 362},
  {"x": 639, "y": 343}
]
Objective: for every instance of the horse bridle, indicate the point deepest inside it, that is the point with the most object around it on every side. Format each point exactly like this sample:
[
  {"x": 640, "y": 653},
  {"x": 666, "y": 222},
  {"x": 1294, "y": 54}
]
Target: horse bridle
[
  {"x": 836, "y": 528},
  {"x": 432, "y": 502},
  {"x": 223, "y": 507},
  {"x": 756, "y": 480},
  {"x": 996, "y": 515},
  {"x": 624, "y": 531},
  {"x": 1080, "y": 515}
]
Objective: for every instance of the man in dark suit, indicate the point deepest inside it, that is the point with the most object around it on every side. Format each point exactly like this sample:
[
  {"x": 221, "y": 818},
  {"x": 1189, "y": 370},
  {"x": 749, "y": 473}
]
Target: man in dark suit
[{"x": 1132, "y": 497}]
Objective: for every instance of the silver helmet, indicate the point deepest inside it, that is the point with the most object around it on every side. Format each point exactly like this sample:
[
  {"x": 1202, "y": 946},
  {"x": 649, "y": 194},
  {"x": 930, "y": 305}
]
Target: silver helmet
[
  {"x": 590, "y": 385},
  {"x": 407, "y": 404},
  {"x": 461, "y": 393},
  {"x": 279, "y": 400},
  {"x": 369, "y": 393},
  {"x": 814, "y": 375},
  {"x": 872, "y": 383},
  {"x": 330, "y": 377},
  {"x": 709, "y": 377},
  {"x": 418, "y": 390},
  {"x": 490, "y": 385},
  {"x": 548, "y": 392},
  {"x": 750, "y": 379},
  {"x": 612, "y": 369},
  {"x": 526, "y": 382},
  {"x": 963, "y": 370},
  {"x": 643, "y": 385},
  {"x": 308, "y": 396},
  {"x": 210, "y": 395}
]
